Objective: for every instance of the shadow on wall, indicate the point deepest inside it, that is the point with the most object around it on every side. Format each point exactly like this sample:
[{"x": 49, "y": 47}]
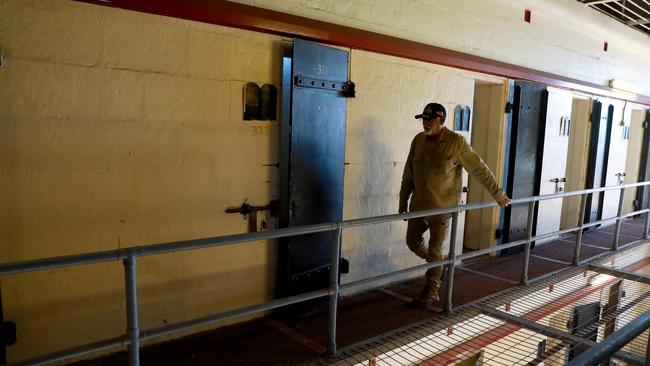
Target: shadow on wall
[{"x": 376, "y": 249}]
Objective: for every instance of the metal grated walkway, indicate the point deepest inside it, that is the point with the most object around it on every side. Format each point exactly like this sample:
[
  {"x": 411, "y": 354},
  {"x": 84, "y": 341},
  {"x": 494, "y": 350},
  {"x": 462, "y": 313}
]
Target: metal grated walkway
[{"x": 379, "y": 328}]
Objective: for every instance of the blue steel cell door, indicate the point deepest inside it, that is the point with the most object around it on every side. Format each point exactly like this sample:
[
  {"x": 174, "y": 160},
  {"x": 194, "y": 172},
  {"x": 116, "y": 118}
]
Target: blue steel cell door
[
  {"x": 312, "y": 161},
  {"x": 525, "y": 144},
  {"x": 599, "y": 140},
  {"x": 642, "y": 199}
]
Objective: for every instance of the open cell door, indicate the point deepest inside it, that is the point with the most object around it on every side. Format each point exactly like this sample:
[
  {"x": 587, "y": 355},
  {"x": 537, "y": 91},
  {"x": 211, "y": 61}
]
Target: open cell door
[
  {"x": 312, "y": 161},
  {"x": 554, "y": 162},
  {"x": 523, "y": 158}
]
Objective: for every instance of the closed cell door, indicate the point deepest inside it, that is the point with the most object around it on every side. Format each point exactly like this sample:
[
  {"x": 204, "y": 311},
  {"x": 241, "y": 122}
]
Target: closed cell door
[
  {"x": 554, "y": 161},
  {"x": 615, "y": 174},
  {"x": 642, "y": 199},
  {"x": 598, "y": 158}
]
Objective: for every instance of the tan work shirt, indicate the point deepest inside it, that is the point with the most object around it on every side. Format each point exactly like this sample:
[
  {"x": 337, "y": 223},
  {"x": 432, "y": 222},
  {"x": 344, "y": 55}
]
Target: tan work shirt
[{"x": 433, "y": 171}]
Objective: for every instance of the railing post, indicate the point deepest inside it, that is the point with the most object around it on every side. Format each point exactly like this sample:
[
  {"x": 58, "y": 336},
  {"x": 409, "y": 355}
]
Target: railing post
[
  {"x": 646, "y": 235},
  {"x": 647, "y": 347},
  {"x": 529, "y": 230},
  {"x": 617, "y": 232},
  {"x": 334, "y": 290},
  {"x": 581, "y": 225},
  {"x": 450, "y": 267},
  {"x": 133, "y": 332}
]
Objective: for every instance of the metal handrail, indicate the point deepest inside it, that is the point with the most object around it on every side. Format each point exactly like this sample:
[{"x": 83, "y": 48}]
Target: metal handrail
[
  {"x": 128, "y": 255},
  {"x": 614, "y": 342},
  {"x": 176, "y": 246}
]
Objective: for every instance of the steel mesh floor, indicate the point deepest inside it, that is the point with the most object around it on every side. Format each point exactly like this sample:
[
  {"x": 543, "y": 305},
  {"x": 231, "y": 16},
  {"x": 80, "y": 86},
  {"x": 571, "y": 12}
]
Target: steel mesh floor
[
  {"x": 633, "y": 228},
  {"x": 563, "y": 250},
  {"x": 493, "y": 341},
  {"x": 379, "y": 315},
  {"x": 250, "y": 343},
  {"x": 511, "y": 267},
  {"x": 361, "y": 317},
  {"x": 468, "y": 287}
]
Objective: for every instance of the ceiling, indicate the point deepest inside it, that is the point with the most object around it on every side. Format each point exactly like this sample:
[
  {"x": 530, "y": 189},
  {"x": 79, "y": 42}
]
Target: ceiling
[{"x": 634, "y": 13}]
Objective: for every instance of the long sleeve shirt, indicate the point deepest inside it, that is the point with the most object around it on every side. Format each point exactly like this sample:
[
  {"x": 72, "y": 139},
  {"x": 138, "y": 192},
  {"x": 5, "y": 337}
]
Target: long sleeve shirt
[{"x": 433, "y": 171}]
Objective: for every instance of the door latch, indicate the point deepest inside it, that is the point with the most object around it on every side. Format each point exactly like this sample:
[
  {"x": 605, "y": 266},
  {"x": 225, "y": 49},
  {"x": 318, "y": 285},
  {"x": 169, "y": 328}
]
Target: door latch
[
  {"x": 559, "y": 184},
  {"x": 620, "y": 177},
  {"x": 250, "y": 212}
]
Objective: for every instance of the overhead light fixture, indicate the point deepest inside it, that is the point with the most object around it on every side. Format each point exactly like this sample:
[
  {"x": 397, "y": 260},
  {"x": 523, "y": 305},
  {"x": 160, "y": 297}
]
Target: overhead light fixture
[{"x": 624, "y": 86}]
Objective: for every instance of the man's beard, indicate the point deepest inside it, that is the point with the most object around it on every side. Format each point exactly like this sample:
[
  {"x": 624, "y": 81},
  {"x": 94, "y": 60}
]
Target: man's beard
[{"x": 428, "y": 131}]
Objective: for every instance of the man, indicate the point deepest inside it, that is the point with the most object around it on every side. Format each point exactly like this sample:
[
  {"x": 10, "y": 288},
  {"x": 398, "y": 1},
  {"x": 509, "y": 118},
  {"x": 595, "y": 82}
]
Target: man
[{"x": 433, "y": 175}]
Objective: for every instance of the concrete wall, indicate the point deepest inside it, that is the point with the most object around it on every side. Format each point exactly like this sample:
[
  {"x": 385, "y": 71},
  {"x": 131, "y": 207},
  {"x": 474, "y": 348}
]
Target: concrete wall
[
  {"x": 380, "y": 128},
  {"x": 123, "y": 129},
  {"x": 564, "y": 37}
]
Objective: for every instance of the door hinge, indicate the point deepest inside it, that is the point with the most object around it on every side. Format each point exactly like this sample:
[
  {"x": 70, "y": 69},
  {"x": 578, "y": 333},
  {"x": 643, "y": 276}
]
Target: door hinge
[
  {"x": 346, "y": 88},
  {"x": 645, "y": 124},
  {"x": 509, "y": 107}
]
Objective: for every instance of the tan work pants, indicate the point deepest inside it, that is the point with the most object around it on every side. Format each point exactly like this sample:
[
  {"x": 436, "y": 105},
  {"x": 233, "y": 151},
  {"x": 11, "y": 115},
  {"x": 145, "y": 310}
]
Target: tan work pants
[{"x": 437, "y": 226}]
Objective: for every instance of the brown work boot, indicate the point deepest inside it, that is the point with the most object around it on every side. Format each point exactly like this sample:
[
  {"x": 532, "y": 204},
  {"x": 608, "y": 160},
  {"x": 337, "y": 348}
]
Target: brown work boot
[{"x": 428, "y": 296}]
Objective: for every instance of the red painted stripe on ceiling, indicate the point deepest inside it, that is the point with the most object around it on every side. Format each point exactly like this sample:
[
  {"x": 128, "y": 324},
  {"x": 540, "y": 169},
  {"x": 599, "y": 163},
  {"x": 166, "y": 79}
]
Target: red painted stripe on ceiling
[{"x": 229, "y": 14}]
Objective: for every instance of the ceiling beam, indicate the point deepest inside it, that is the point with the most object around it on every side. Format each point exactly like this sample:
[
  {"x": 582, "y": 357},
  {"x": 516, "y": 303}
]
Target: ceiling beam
[
  {"x": 596, "y": 2},
  {"x": 638, "y": 22}
]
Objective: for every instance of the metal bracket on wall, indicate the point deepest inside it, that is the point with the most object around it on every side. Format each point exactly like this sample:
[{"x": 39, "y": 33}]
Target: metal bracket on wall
[{"x": 565, "y": 126}]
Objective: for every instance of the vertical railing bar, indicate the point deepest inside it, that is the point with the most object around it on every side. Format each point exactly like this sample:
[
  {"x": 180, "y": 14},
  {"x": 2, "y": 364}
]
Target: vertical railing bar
[
  {"x": 133, "y": 331},
  {"x": 451, "y": 266},
  {"x": 334, "y": 290},
  {"x": 617, "y": 231},
  {"x": 581, "y": 224},
  {"x": 646, "y": 234},
  {"x": 529, "y": 229},
  {"x": 647, "y": 347}
]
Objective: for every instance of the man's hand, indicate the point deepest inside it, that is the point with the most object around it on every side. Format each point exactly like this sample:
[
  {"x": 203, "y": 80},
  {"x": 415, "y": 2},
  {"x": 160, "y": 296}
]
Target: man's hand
[
  {"x": 403, "y": 209},
  {"x": 504, "y": 202}
]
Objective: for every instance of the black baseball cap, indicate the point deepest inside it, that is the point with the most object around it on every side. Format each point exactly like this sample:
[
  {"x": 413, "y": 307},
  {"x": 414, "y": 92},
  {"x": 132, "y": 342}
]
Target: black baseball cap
[{"x": 433, "y": 110}]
